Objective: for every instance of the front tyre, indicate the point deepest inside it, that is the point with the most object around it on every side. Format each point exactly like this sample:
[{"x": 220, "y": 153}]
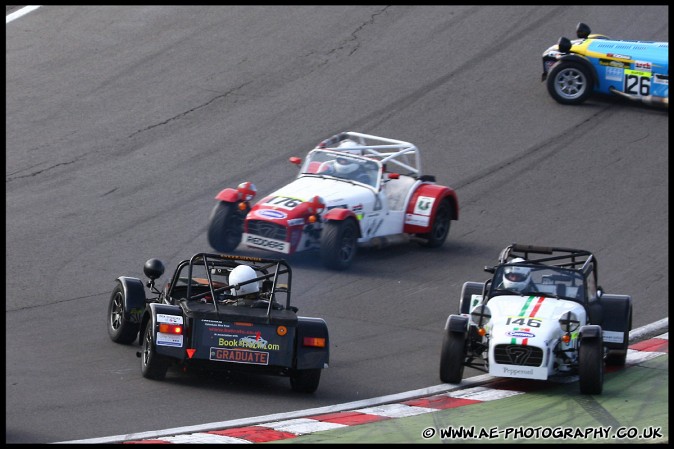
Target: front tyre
[
  {"x": 305, "y": 380},
  {"x": 152, "y": 365},
  {"x": 591, "y": 366},
  {"x": 440, "y": 228},
  {"x": 225, "y": 227},
  {"x": 120, "y": 328},
  {"x": 339, "y": 240},
  {"x": 569, "y": 83},
  {"x": 452, "y": 356}
]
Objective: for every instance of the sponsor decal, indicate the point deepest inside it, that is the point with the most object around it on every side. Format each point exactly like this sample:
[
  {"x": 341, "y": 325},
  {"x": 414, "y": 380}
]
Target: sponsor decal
[
  {"x": 239, "y": 356},
  {"x": 613, "y": 336},
  {"x": 661, "y": 79},
  {"x": 614, "y": 74},
  {"x": 416, "y": 220},
  {"x": 424, "y": 205},
  {"x": 170, "y": 319},
  {"x": 643, "y": 65},
  {"x": 615, "y": 64},
  {"x": 248, "y": 342},
  {"x": 269, "y": 244},
  {"x": 517, "y": 371},
  {"x": 273, "y": 214},
  {"x": 520, "y": 334},
  {"x": 618, "y": 56},
  {"x": 296, "y": 222},
  {"x": 169, "y": 340},
  {"x": 638, "y": 73}
]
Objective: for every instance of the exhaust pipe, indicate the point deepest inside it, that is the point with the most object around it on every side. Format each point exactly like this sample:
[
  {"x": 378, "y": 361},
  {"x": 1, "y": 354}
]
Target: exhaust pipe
[{"x": 649, "y": 100}]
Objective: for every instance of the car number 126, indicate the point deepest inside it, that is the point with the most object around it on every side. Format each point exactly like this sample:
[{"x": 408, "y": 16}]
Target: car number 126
[{"x": 637, "y": 83}]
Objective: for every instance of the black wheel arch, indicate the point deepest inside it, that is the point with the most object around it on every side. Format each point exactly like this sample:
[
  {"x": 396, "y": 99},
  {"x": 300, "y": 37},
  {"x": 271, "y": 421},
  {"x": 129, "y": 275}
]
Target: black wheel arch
[
  {"x": 467, "y": 291},
  {"x": 456, "y": 323},
  {"x": 134, "y": 297},
  {"x": 592, "y": 71},
  {"x": 311, "y": 357},
  {"x": 616, "y": 317},
  {"x": 150, "y": 319}
]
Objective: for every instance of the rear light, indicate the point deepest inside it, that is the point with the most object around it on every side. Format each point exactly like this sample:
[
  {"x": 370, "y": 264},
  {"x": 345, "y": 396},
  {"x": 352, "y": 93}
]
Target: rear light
[
  {"x": 166, "y": 328},
  {"x": 315, "y": 342}
]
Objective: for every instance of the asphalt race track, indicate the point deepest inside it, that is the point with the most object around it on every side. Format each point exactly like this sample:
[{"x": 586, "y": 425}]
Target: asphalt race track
[{"x": 123, "y": 122}]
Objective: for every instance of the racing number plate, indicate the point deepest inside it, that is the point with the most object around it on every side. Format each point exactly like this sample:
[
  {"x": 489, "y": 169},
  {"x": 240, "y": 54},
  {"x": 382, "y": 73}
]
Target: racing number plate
[{"x": 239, "y": 356}]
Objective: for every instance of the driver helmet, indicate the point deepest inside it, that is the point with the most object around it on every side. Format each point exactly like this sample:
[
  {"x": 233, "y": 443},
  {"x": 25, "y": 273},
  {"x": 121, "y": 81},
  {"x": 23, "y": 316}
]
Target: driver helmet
[
  {"x": 350, "y": 146},
  {"x": 243, "y": 273},
  {"x": 344, "y": 166},
  {"x": 516, "y": 277}
]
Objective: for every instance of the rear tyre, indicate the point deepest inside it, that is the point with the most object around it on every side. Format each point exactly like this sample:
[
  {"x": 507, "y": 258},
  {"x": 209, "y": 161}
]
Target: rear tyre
[
  {"x": 452, "y": 356},
  {"x": 120, "y": 329},
  {"x": 305, "y": 380},
  {"x": 591, "y": 366},
  {"x": 339, "y": 240},
  {"x": 225, "y": 227},
  {"x": 152, "y": 365},
  {"x": 569, "y": 83},
  {"x": 440, "y": 228}
]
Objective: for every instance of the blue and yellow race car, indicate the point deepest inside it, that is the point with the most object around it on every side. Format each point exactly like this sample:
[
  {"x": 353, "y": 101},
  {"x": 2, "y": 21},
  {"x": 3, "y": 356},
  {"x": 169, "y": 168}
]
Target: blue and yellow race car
[{"x": 593, "y": 63}]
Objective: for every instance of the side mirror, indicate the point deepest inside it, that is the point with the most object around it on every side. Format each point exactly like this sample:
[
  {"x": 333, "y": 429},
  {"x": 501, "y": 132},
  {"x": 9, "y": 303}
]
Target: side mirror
[
  {"x": 153, "y": 269},
  {"x": 296, "y": 160}
]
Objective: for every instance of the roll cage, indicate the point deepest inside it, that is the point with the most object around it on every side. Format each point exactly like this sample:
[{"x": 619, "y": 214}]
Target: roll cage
[
  {"x": 205, "y": 275},
  {"x": 567, "y": 267},
  {"x": 395, "y": 156}
]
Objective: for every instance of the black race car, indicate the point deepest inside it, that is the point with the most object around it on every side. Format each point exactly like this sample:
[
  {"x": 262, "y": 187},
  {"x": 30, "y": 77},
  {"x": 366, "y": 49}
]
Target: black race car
[{"x": 220, "y": 312}]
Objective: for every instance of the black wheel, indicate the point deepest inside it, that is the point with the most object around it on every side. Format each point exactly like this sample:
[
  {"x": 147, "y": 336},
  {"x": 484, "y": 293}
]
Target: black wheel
[
  {"x": 569, "y": 83},
  {"x": 452, "y": 356},
  {"x": 120, "y": 329},
  {"x": 339, "y": 240},
  {"x": 152, "y": 365},
  {"x": 225, "y": 227},
  {"x": 305, "y": 380},
  {"x": 440, "y": 227},
  {"x": 591, "y": 366}
]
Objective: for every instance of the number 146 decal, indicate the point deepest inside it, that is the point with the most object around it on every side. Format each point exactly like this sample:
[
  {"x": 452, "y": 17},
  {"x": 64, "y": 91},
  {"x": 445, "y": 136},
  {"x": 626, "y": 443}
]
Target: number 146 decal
[
  {"x": 524, "y": 321},
  {"x": 637, "y": 83}
]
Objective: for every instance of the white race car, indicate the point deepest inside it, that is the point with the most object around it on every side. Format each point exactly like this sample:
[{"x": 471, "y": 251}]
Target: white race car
[
  {"x": 541, "y": 315},
  {"x": 353, "y": 190}
]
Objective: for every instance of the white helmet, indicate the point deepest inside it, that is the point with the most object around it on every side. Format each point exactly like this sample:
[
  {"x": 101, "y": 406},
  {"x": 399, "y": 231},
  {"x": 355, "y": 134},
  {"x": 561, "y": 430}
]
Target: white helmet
[
  {"x": 240, "y": 274},
  {"x": 350, "y": 146},
  {"x": 516, "y": 277},
  {"x": 344, "y": 166}
]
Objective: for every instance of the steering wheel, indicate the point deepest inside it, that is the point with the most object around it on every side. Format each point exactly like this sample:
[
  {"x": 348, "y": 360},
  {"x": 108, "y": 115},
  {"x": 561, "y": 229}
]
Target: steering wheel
[{"x": 364, "y": 178}]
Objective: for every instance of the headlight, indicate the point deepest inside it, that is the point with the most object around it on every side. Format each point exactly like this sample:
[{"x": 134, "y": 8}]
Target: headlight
[
  {"x": 569, "y": 322},
  {"x": 480, "y": 315}
]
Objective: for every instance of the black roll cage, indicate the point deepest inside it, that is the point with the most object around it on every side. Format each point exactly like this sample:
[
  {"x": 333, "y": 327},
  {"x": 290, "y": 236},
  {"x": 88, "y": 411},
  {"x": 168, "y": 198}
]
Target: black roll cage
[{"x": 272, "y": 269}]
